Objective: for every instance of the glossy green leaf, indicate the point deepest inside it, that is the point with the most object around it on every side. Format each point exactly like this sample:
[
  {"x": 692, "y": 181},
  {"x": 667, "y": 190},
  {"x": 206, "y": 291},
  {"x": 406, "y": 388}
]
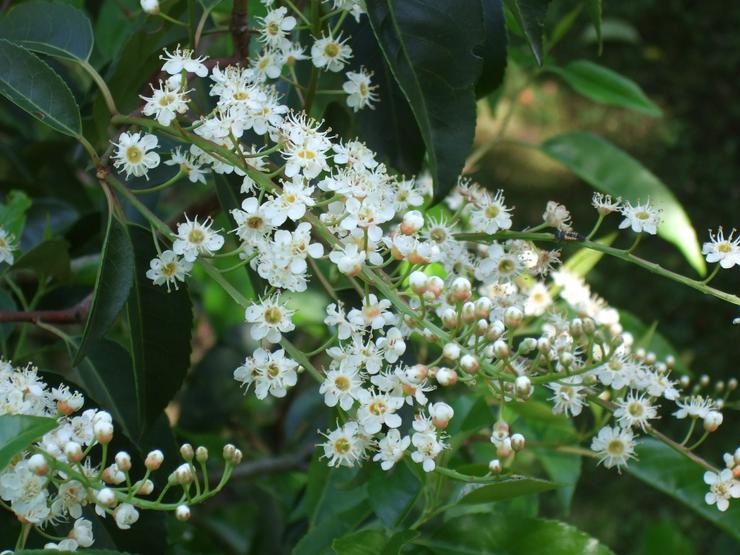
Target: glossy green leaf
[
  {"x": 430, "y": 49},
  {"x": 363, "y": 542},
  {"x": 19, "y": 431},
  {"x": 611, "y": 170},
  {"x": 49, "y": 258},
  {"x": 594, "y": 9},
  {"x": 493, "y": 50},
  {"x": 605, "y": 86},
  {"x": 49, "y": 28},
  {"x": 33, "y": 86},
  {"x": 506, "y": 488},
  {"x": 393, "y": 493},
  {"x": 531, "y": 15},
  {"x": 479, "y": 534},
  {"x": 106, "y": 373},
  {"x": 666, "y": 470},
  {"x": 112, "y": 285},
  {"x": 319, "y": 539},
  {"x": 160, "y": 324},
  {"x": 13, "y": 212}
]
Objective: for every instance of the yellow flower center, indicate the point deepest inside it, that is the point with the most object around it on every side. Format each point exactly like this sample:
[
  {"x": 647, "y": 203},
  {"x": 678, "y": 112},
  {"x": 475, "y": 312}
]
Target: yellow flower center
[
  {"x": 273, "y": 315},
  {"x": 254, "y": 222},
  {"x": 615, "y": 447},
  {"x": 342, "y": 445},
  {"x": 134, "y": 154},
  {"x": 377, "y": 408},
  {"x": 169, "y": 269},
  {"x": 492, "y": 211},
  {"x": 342, "y": 383},
  {"x": 196, "y": 236},
  {"x": 724, "y": 247},
  {"x": 331, "y": 50}
]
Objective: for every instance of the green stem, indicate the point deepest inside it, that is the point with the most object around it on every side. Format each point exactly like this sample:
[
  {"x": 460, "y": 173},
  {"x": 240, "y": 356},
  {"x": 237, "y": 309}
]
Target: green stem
[
  {"x": 179, "y": 175},
  {"x": 298, "y": 355},
  {"x": 102, "y": 85},
  {"x": 172, "y": 20}
]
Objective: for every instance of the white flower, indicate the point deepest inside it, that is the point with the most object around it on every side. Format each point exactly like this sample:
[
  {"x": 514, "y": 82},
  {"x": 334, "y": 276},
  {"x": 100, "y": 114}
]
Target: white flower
[
  {"x": 557, "y": 216},
  {"x": 349, "y": 259},
  {"x": 330, "y": 53},
  {"x": 341, "y": 386},
  {"x": 344, "y": 446},
  {"x": 275, "y": 26},
  {"x": 7, "y": 246},
  {"x": 391, "y": 449},
  {"x": 270, "y": 319},
  {"x": 354, "y": 7},
  {"x": 428, "y": 445},
  {"x": 132, "y": 154},
  {"x": 695, "y": 406},
  {"x": 569, "y": 396},
  {"x": 168, "y": 269},
  {"x": 722, "y": 487},
  {"x": 253, "y": 223},
  {"x": 188, "y": 165},
  {"x": 614, "y": 446},
  {"x": 377, "y": 409},
  {"x": 634, "y": 410},
  {"x": 268, "y": 65},
  {"x": 152, "y": 8},
  {"x": 194, "y": 238},
  {"x": 182, "y": 60},
  {"x": 491, "y": 214},
  {"x": 360, "y": 90},
  {"x": 335, "y": 316},
  {"x": 82, "y": 532},
  {"x": 392, "y": 345},
  {"x": 374, "y": 313},
  {"x": 71, "y": 497},
  {"x": 271, "y": 373},
  {"x": 604, "y": 204},
  {"x": 291, "y": 202},
  {"x": 125, "y": 515},
  {"x": 165, "y": 103},
  {"x": 640, "y": 218},
  {"x": 718, "y": 249},
  {"x": 538, "y": 299}
]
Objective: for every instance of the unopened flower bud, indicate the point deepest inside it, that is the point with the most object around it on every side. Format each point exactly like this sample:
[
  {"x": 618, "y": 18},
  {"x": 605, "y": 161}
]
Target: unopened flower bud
[
  {"x": 469, "y": 363},
  {"x": 670, "y": 361},
  {"x": 684, "y": 381},
  {"x": 441, "y": 414},
  {"x": 103, "y": 432},
  {"x": 451, "y": 351},
  {"x": 186, "y": 452},
  {"x": 494, "y": 466},
  {"x": 736, "y": 456},
  {"x": 449, "y": 318},
  {"x": 106, "y": 497},
  {"x": 38, "y": 465},
  {"x": 543, "y": 344},
  {"x": 566, "y": 358},
  {"x": 154, "y": 460},
  {"x": 73, "y": 451},
  {"x": 418, "y": 282},
  {"x": 460, "y": 289},
  {"x": 576, "y": 327},
  {"x": 527, "y": 345},
  {"x": 123, "y": 461},
  {"x": 144, "y": 487},
  {"x": 201, "y": 454},
  {"x": 503, "y": 450},
  {"x": 523, "y": 387},
  {"x": 513, "y": 317},
  {"x": 184, "y": 474},
  {"x": 446, "y": 376},
  {"x": 589, "y": 326},
  {"x": 468, "y": 311},
  {"x": 429, "y": 335},
  {"x": 412, "y": 222},
  {"x": 496, "y": 329},
  {"x": 436, "y": 285},
  {"x": 150, "y": 7},
  {"x": 182, "y": 513},
  {"x": 501, "y": 427},
  {"x": 517, "y": 442},
  {"x": 501, "y": 348},
  {"x": 481, "y": 327},
  {"x": 712, "y": 421},
  {"x": 417, "y": 373},
  {"x": 102, "y": 416},
  {"x": 732, "y": 384},
  {"x": 229, "y": 450},
  {"x": 237, "y": 458},
  {"x": 483, "y": 307}
]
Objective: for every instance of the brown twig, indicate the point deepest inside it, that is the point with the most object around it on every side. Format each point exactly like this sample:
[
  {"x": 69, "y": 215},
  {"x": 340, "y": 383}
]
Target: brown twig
[
  {"x": 73, "y": 315},
  {"x": 239, "y": 29}
]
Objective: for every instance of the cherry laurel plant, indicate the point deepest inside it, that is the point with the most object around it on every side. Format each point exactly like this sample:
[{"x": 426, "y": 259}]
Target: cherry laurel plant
[{"x": 495, "y": 309}]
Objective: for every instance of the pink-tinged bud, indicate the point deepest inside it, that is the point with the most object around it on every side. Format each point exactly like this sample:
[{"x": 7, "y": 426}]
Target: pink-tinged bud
[
  {"x": 106, "y": 497},
  {"x": 103, "y": 432},
  {"x": 468, "y": 311},
  {"x": 446, "y": 376},
  {"x": 481, "y": 327},
  {"x": 449, "y": 318},
  {"x": 418, "y": 282},
  {"x": 470, "y": 364},
  {"x": 451, "y": 351},
  {"x": 483, "y": 307},
  {"x": 429, "y": 335},
  {"x": 503, "y": 450},
  {"x": 144, "y": 487},
  {"x": 182, "y": 513},
  {"x": 412, "y": 222},
  {"x": 123, "y": 461},
  {"x": 461, "y": 289},
  {"x": 441, "y": 414},
  {"x": 494, "y": 466},
  {"x": 38, "y": 465},
  {"x": 496, "y": 330},
  {"x": 436, "y": 285},
  {"x": 154, "y": 460},
  {"x": 518, "y": 442},
  {"x": 73, "y": 451},
  {"x": 417, "y": 373},
  {"x": 712, "y": 421},
  {"x": 513, "y": 317},
  {"x": 501, "y": 348}
]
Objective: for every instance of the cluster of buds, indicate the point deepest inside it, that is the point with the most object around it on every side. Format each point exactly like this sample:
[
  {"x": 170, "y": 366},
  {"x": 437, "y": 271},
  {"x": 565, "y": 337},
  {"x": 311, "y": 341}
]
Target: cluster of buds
[{"x": 507, "y": 445}]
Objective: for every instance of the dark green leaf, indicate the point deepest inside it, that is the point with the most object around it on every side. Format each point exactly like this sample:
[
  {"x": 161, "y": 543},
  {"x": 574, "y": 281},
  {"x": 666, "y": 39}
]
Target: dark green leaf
[
  {"x": 13, "y": 212},
  {"x": 471, "y": 414},
  {"x": 33, "y": 86},
  {"x": 50, "y": 28},
  {"x": 430, "y": 49},
  {"x": 106, "y": 373},
  {"x": 19, "y": 431},
  {"x": 363, "y": 542},
  {"x": 87, "y": 552},
  {"x": 603, "y": 85},
  {"x": 531, "y": 15},
  {"x": 393, "y": 493},
  {"x": 50, "y": 258},
  {"x": 506, "y": 488},
  {"x": 595, "y": 12},
  {"x": 160, "y": 323},
  {"x": 112, "y": 284},
  {"x": 479, "y": 534},
  {"x": 664, "y": 469},
  {"x": 611, "y": 170},
  {"x": 493, "y": 50},
  {"x": 319, "y": 538}
]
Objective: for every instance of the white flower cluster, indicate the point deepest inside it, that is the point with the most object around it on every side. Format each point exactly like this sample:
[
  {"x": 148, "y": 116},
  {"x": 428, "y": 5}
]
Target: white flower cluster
[
  {"x": 56, "y": 477},
  {"x": 7, "y": 246},
  {"x": 724, "y": 484}
]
